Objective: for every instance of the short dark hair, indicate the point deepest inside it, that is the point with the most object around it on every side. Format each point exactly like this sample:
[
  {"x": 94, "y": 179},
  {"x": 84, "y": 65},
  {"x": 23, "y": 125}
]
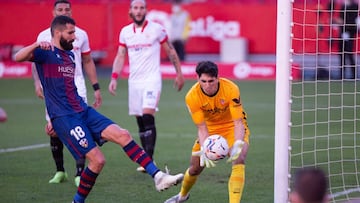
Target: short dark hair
[
  {"x": 61, "y": 2},
  {"x": 311, "y": 184},
  {"x": 207, "y": 67},
  {"x": 59, "y": 22}
]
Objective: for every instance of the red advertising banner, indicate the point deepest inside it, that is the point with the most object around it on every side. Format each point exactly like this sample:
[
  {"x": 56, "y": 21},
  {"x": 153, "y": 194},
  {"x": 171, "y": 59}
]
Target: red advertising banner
[
  {"x": 9, "y": 69},
  {"x": 210, "y": 24},
  {"x": 234, "y": 71}
]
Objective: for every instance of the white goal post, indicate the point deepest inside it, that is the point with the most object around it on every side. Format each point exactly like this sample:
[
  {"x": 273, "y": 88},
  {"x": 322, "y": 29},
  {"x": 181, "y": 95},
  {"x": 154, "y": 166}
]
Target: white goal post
[
  {"x": 317, "y": 116},
  {"x": 282, "y": 106}
]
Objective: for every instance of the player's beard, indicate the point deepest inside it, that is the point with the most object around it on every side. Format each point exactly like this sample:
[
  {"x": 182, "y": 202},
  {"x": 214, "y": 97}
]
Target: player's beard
[
  {"x": 66, "y": 45},
  {"x": 138, "y": 22}
]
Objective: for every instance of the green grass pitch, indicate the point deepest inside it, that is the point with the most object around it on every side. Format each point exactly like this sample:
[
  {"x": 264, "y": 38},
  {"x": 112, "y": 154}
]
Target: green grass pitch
[{"x": 24, "y": 174}]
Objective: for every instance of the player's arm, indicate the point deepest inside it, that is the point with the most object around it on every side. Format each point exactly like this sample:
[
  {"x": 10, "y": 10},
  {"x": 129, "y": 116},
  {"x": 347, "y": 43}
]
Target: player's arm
[
  {"x": 174, "y": 59},
  {"x": 239, "y": 144},
  {"x": 89, "y": 66},
  {"x": 197, "y": 116},
  {"x": 203, "y": 132},
  {"x": 118, "y": 65},
  {"x": 239, "y": 129},
  {"x": 37, "y": 83},
  {"x": 237, "y": 114},
  {"x": 26, "y": 53}
]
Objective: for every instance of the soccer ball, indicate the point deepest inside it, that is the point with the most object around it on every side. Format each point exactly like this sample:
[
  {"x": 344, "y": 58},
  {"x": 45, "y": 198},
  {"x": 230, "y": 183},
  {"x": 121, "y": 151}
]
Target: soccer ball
[{"x": 216, "y": 147}]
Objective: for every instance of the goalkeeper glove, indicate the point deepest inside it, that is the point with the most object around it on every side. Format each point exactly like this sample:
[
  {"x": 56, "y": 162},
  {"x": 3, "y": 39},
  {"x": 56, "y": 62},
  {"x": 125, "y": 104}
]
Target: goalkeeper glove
[
  {"x": 204, "y": 161},
  {"x": 236, "y": 150}
]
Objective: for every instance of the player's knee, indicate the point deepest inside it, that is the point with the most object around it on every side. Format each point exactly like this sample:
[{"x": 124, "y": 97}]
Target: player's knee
[
  {"x": 124, "y": 134},
  {"x": 99, "y": 162},
  {"x": 102, "y": 162},
  {"x": 148, "y": 121},
  {"x": 123, "y": 137},
  {"x": 140, "y": 123},
  {"x": 116, "y": 134},
  {"x": 96, "y": 159}
]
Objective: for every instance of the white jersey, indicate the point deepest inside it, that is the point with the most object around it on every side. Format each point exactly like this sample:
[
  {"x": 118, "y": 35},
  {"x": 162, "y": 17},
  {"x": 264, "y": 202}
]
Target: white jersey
[
  {"x": 81, "y": 46},
  {"x": 143, "y": 47}
]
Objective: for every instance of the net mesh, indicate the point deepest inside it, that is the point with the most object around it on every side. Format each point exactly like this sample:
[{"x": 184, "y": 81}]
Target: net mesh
[{"x": 325, "y": 110}]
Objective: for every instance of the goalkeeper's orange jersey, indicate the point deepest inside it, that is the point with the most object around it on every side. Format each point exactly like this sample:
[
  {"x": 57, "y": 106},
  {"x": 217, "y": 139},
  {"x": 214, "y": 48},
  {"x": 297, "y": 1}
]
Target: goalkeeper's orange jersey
[{"x": 218, "y": 111}]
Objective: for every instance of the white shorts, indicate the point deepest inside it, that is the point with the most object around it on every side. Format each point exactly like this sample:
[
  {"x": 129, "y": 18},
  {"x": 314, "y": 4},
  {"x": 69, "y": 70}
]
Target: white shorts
[{"x": 143, "y": 95}]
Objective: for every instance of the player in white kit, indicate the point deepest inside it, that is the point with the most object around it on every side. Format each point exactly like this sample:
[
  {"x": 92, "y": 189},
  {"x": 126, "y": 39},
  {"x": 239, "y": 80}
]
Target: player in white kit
[
  {"x": 142, "y": 40},
  {"x": 81, "y": 51}
]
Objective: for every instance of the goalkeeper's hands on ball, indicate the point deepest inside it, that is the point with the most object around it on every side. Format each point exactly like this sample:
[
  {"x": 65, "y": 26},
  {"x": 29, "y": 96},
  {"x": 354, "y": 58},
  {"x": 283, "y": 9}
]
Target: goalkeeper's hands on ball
[
  {"x": 236, "y": 150},
  {"x": 204, "y": 161}
]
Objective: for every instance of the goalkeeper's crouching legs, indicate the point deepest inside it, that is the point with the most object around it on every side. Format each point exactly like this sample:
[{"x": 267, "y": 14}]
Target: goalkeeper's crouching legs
[{"x": 236, "y": 183}]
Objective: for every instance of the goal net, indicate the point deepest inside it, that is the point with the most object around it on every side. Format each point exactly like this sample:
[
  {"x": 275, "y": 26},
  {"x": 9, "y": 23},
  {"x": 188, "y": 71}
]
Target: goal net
[{"x": 323, "y": 127}]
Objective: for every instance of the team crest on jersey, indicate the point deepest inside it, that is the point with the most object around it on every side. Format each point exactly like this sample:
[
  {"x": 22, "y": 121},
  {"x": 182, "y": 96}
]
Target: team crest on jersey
[
  {"x": 222, "y": 102},
  {"x": 150, "y": 94},
  {"x": 84, "y": 143}
]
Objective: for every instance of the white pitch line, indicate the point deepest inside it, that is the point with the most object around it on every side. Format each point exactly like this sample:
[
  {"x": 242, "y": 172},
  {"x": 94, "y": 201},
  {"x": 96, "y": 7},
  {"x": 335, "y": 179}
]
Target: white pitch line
[
  {"x": 346, "y": 192},
  {"x": 30, "y": 147}
]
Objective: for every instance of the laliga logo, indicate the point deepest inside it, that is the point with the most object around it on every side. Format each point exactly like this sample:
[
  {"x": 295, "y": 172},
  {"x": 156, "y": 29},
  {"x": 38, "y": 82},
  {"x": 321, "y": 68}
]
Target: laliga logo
[
  {"x": 216, "y": 29},
  {"x": 242, "y": 70},
  {"x": 160, "y": 17},
  {"x": 206, "y": 26}
]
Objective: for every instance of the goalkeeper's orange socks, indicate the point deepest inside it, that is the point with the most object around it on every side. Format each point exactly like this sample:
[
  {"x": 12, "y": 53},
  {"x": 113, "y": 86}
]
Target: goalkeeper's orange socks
[
  {"x": 236, "y": 183},
  {"x": 187, "y": 183}
]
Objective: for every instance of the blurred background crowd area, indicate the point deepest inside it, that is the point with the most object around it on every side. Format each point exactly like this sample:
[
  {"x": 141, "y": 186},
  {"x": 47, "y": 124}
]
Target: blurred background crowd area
[
  {"x": 236, "y": 33},
  {"x": 240, "y": 29}
]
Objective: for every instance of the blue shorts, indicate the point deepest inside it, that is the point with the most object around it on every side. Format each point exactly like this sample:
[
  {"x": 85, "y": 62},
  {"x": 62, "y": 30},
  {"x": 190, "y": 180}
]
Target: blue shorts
[{"x": 81, "y": 131}]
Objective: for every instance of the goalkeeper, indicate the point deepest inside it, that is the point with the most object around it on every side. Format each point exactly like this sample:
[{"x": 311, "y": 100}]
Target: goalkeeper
[{"x": 215, "y": 107}]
